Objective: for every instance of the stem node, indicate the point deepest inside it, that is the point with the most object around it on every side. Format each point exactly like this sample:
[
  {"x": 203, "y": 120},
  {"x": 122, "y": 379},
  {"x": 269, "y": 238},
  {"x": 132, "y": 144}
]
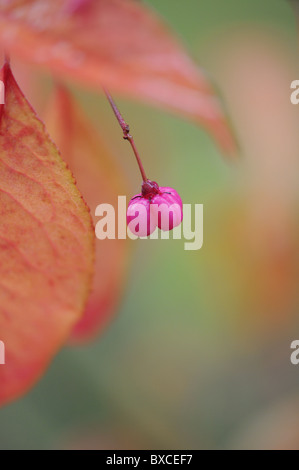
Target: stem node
[{"x": 126, "y": 132}]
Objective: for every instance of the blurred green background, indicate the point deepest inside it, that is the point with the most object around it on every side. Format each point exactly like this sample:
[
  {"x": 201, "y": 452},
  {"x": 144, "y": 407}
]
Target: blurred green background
[{"x": 198, "y": 355}]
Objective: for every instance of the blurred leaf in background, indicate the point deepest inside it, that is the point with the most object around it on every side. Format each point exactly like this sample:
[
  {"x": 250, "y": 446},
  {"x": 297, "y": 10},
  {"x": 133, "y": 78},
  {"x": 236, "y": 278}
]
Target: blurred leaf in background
[{"x": 99, "y": 179}]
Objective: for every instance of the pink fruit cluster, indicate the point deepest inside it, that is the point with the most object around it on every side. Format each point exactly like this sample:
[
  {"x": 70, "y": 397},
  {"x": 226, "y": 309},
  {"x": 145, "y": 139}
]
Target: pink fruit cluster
[{"x": 154, "y": 206}]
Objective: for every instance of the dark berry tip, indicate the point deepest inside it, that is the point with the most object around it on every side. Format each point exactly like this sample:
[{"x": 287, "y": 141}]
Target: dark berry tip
[{"x": 150, "y": 189}]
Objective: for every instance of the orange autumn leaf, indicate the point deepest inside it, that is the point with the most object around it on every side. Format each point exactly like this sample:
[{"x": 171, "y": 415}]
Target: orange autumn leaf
[
  {"x": 100, "y": 181},
  {"x": 119, "y": 44},
  {"x": 46, "y": 245}
]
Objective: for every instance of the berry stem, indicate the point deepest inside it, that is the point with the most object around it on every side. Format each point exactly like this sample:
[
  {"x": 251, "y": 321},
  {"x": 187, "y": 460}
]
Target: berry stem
[{"x": 126, "y": 131}]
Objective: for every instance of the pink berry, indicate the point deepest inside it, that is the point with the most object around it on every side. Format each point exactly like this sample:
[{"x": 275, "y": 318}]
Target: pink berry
[
  {"x": 169, "y": 208},
  {"x": 154, "y": 206},
  {"x": 138, "y": 216}
]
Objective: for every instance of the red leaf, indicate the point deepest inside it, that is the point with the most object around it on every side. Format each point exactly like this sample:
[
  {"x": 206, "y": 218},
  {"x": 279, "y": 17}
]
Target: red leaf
[
  {"x": 46, "y": 245},
  {"x": 100, "y": 181},
  {"x": 119, "y": 44}
]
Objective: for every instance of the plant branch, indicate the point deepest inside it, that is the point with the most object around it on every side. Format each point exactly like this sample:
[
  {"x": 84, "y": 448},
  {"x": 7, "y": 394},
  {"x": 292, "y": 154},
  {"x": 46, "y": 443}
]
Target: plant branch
[{"x": 126, "y": 132}]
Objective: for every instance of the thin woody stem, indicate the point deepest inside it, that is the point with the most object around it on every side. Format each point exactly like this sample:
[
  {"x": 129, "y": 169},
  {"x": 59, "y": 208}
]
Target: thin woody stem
[{"x": 126, "y": 131}]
